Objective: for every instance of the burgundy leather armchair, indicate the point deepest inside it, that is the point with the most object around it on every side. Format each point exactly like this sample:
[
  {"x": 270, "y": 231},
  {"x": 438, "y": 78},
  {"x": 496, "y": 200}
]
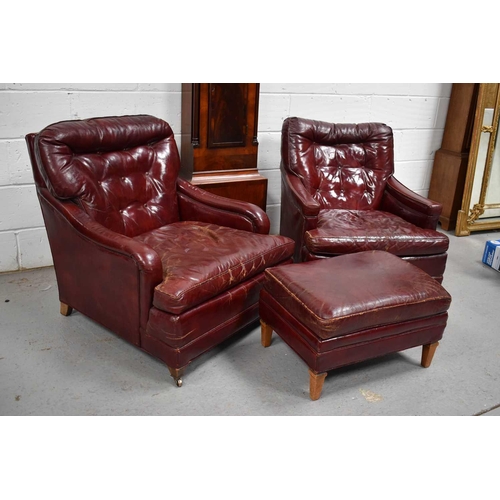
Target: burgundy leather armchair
[
  {"x": 339, "y": 196},
  {"x": 167, "y": 266}
]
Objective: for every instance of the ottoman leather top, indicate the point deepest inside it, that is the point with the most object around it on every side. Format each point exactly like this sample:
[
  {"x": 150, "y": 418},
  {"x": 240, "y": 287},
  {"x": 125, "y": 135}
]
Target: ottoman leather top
[{"x": 350, "y": 293}]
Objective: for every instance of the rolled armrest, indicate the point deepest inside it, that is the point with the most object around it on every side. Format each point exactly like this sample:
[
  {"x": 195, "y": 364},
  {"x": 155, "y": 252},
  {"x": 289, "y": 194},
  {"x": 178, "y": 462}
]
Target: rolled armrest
[
  {"x": 304, "y": 201},
  {"x": 299, "y": 211},
  {"x": 401, "y": 201},
  {"x": 199, "y": 205},
  {"x": 147, "y": 259}
]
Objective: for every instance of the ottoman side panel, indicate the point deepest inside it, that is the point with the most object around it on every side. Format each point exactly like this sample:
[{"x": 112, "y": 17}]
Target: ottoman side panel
[
  {"x": 323, "y": 355},
  {"x": 380, "y": 347},
  {"x": 299, "y": 339}
]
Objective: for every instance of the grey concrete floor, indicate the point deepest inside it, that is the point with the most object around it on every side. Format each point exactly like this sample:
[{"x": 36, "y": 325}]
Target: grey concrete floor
[{"x": 55, "y": 365}]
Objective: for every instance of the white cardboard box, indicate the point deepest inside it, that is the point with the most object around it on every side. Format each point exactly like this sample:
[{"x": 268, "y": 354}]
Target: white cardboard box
[{"x": 491, "y": 255}]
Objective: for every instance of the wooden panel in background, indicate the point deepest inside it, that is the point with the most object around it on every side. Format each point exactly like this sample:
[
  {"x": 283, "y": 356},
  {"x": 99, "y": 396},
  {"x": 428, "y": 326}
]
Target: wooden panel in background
[{"x": 219, "y": 140}]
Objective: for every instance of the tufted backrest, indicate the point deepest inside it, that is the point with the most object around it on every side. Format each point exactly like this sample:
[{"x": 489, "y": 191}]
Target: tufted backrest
[
  {"x": 341, "y": 165},
  {"x": 121, "y": 170}
]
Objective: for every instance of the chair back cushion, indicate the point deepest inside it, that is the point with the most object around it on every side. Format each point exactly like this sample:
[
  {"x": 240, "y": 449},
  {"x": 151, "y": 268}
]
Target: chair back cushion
[
  {"x": 121, "y": 170},
  {"x": 341, "y": 165}
]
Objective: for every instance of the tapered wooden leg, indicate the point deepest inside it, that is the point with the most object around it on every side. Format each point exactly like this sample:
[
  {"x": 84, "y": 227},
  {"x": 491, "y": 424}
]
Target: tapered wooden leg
[
  {"x": 428, "y": 353},
  {"x": 316, "y": 384},
  {"x": 65, "y": 309},
  {"x": 266, "y": 333},
  {"x": 177, "y": 375}
]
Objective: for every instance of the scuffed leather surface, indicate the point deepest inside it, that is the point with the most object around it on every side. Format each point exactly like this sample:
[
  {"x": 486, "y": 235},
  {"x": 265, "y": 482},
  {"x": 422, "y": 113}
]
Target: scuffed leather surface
[
  {"x": 177, "y": 339},
  {"x": 196, "y": 204},
  {"x": 349, "y": 231},
  {"x": 179, "y": 357},
  {"x": 202, "y": 260},
  {"x": 178, "y": 330},
  {"x": 350, "y": 293},
  {"x": 121, "y": 170},
  {"x": 401, "y": 201},
  {"x": 342, "y": 165}
]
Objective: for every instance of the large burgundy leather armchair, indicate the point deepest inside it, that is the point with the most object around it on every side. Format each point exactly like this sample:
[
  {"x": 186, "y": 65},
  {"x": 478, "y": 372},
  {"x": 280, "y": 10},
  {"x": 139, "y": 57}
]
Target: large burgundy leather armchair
[
  {"x": 167, "y": 266},
  {"x": 339, "y": 196}
]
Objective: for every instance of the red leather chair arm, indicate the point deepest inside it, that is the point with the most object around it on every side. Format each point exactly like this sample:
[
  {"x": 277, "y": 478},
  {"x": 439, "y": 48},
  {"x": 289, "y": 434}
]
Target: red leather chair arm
[
  {"x": 146, "y": 258},
  {"x": 410, "y": 206},
  {"x": 199, "y": 205},
  {"x": 299, "y": 211},
  {"x": 104, "y": 275},
  {"x": 304, "y": 201}
]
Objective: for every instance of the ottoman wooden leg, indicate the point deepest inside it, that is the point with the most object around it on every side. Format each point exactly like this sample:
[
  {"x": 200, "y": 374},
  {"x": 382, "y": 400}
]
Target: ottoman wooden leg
[
  {"x": 316, "y": 384},
  {"x": 428, "y": 353},
  {"x": 266, "y": 333}
]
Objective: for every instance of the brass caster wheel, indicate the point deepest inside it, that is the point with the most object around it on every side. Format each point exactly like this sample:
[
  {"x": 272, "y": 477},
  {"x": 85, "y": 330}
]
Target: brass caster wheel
[{"x": 176, "y": 375}]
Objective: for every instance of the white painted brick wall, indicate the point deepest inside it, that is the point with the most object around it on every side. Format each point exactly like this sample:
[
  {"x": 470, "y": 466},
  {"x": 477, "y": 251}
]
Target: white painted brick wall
[
  {"x": 416, "y": 112},
  {"x": 8, "y": 251}
]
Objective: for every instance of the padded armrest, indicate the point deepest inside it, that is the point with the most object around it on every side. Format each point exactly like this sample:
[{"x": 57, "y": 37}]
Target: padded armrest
[
  {"x": 147, "y": 259},
  {"x": 199, "y": 205},
  {"x": 103, "y": 274},
  {"x": 401, "y": 201},
  {"x": 299, "y": 211},
  {"x": 304, "y": 201}
]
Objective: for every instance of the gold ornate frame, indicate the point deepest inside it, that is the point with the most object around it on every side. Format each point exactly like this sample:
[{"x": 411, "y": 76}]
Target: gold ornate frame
[{"x": 468, "y": 217}]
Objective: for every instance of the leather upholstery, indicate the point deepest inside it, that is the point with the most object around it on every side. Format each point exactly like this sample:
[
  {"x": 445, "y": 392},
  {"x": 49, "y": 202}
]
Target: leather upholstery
[
  {"x": 345, "y": 165},
  {"x": 349, "y": 231},
  {"x": 339, "y": 196},
  {"x": 200, "y": 205},
  {"x": 180, "y": 330},
  {"x": 326, "y": 295},
  {"x": 202, "y": 260},
  {"x": 122, "y": 173},
  {"x": 125, "y": 232},
  {"x": 334, "y": 312}
]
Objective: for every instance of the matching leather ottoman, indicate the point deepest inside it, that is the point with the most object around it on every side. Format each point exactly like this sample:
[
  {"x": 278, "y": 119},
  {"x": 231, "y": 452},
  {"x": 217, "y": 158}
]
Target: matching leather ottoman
[{"x": 343, "y": 310}]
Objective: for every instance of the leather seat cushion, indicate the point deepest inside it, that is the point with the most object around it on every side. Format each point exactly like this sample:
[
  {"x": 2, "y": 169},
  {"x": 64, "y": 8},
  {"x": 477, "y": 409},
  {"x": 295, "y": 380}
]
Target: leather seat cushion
[
  {"x": 349, "y": 231},
  {"x": 351, "y": 293},
  {"x": 202, "y": 260}
]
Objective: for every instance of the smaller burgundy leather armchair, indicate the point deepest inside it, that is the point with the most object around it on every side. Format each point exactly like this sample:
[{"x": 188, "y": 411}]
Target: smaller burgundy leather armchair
[
  {"x": 339, "y": 196},
  {"x": 169, "y": 267}
]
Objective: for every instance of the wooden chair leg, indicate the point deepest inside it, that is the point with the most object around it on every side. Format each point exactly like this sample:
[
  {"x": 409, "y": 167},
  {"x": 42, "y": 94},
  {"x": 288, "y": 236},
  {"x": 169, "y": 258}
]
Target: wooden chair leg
[
  {"x": 177, "y": 375},
  {"x": 266, "y": 333},
  {"x": 316, "y": 381},
  {"x": 428, "y": 353},
  {"x": 65, "y": 309}
]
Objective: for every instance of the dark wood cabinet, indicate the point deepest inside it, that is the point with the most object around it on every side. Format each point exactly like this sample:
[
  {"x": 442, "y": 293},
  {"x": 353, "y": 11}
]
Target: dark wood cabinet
[
  {"x": 450, "y": 162},
  {"x": 219, "y": 140}
]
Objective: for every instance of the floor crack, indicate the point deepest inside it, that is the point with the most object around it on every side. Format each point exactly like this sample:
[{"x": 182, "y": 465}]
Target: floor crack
[{"x": 486, "y": 411}]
